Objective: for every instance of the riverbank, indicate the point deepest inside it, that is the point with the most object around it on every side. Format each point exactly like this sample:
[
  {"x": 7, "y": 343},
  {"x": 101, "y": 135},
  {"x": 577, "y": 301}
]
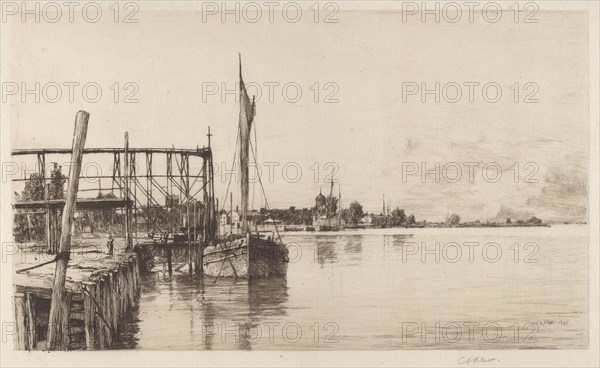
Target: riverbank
[
  {"x": 297, "y": 228},
  {"x": 101, "y": 289}
]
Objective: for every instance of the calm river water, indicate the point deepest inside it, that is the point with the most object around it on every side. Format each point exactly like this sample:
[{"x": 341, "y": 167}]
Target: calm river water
[{"x": 383, "y": 289}]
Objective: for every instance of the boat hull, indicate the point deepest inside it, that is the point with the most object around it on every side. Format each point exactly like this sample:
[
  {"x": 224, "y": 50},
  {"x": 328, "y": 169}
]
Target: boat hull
[{"x": 234, "y": 258}]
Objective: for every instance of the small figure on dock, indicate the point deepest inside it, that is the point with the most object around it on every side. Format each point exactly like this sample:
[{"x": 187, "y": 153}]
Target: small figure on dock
[{"x": 110, "y": 245}]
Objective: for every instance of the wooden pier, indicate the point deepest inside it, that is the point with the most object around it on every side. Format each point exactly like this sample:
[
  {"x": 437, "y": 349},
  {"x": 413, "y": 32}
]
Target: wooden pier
[
  {"x": 99, "y": 292},
  {"x": 80, "y": 305}
]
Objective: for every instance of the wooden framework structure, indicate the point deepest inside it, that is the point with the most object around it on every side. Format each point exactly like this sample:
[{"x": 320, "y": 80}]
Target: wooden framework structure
[{"x": 140, "y": 193}]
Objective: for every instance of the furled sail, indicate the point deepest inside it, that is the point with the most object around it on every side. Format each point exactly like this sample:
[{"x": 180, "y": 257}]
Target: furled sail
[{"x": 245, "y": 126}]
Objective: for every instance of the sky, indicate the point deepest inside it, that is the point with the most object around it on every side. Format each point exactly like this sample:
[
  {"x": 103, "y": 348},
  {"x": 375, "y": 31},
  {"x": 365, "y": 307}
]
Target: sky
[{"x": 354, "y": 115}]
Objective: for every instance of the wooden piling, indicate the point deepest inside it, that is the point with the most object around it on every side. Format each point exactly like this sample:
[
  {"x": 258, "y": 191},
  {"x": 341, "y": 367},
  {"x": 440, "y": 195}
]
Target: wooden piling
[
  {"x": 128, "y": 281},
  {"x": 138, "y": 276},
  {"x": 128, "y": 232},
  {"x": 89, "y": 313},
  {"x": 116, "y": 292},
  {"x": 105, "y": 333},
  {"x": 30, "y": 312},
  {"x": 65, "y": 322},
  {"x": 21, "y": 339},
  {"x": 48, "y": 230},
  {"x": 132, "y": 265},
  {"x": 60, "y": 274},
  {"x": 25, "y": 321},
  {"x": 121, "y": 285},
  {"x": 100, "y": 340},
  {"x": 54, "y": 231},
  {"x": 195, "y": 236},
  {"x": 128, "y": 278},
  {"x": 107, "y": 310},
  {"x": 98, "y": 326},
  {"x": 169, "y": 260},
  {"x": 114, "y": 311}
]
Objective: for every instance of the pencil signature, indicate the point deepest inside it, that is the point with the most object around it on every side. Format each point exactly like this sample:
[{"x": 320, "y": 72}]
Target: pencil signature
[{"x": 476, "y": 360}]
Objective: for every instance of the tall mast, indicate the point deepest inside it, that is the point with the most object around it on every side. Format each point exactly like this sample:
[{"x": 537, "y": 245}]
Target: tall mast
[
  {"x": 211, "y": 214},
  {"x": 245, "y": 127},
  {"x": 339, "y": 202}
]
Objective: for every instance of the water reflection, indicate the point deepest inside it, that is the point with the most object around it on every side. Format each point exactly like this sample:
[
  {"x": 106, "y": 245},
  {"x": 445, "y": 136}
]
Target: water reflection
[
  {"x": 353, "y": 247},
  {"x": 326, "y": 250},
  {"x": 366, "y": 287},
  {"x": 397, "y": 240},
  {"x": 267, "y": 297},
  {"x": 207, "y": 313}
]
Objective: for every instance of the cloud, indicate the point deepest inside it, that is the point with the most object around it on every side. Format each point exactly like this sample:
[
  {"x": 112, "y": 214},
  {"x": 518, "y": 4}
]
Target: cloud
[{"x": 564, "y": 194}]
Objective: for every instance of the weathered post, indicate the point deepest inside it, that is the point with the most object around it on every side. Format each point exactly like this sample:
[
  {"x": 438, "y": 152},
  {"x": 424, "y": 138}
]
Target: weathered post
[
  {"x": 186, "y": 166},
  {"x": 42, "y": 171},
  {"x": 62, "y": 258},
  {"x": 149, "y": 187},
  {"x": 101, "y": 325},
  {"x": 54, "y": 231},
  {"x": 170, "y": 259},
  {"x": 213, "y": 224},
  {"x": 30, "y": 305},
  {"x": 200, "y": 260},
  {"x": 25, "y": 337},
  {"x": 194, "y": 235},
  {"x": 20, "y": 322},
  {"x": 49, "y": 231},
  {"x": 89, "y": 312},
  {"x": 128, "y": 242},
  {"x": 65, "y": 321}
]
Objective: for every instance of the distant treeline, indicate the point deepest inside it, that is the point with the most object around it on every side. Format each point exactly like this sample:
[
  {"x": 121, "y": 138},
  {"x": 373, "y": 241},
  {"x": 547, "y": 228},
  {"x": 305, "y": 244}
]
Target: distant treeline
[
  {"x": 31, "y": 225},
  {"x": 353, "y": 215}
]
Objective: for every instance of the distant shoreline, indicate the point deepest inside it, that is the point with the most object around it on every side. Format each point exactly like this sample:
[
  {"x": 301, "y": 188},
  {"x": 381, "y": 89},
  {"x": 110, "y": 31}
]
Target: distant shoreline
[
  {"x": 295, "y": 228},
  {"x": 442, "y": 225}
]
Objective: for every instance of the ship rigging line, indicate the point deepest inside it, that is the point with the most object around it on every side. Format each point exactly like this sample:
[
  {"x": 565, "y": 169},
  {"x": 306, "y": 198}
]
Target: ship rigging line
[
  {"x": 232, "y": 166},
  {"x": 263, "y": 192},
  {"x": 255, "y": 163}
]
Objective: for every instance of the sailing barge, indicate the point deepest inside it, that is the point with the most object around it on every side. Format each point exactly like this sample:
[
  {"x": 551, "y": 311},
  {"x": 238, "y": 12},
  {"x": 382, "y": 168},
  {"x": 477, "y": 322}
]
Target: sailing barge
[{"x": 247, "y": 255}]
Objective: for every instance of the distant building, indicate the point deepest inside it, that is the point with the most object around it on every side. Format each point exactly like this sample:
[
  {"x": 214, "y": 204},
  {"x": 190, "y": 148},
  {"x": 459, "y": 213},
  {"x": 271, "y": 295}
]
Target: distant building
[
  {"x": 320, "y": 203},
  {"x": 325, "y": 211},
  {"x": 270, "y": 225},
  {"x": 367, "y": 219},
  {"x": 231, "y": 222},
  {"x": 378, "y": 220}
]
